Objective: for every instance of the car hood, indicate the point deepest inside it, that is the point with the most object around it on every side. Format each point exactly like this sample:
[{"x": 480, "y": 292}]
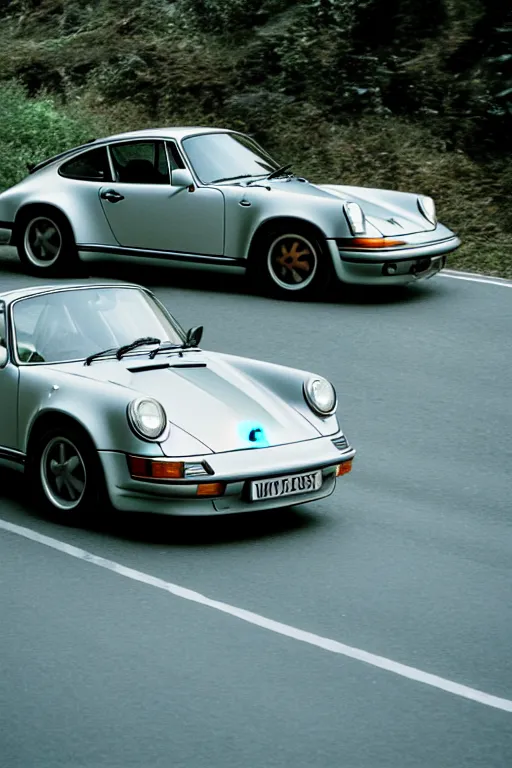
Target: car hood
[
  {"x": 391, "y": 213},
  {"x": 208, "y": 398}
]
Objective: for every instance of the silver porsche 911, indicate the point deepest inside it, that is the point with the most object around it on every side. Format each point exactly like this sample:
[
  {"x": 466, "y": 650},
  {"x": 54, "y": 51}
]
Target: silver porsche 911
[
  {"x": 105, "y": 398},
  {"x": 215, "y": 198}
]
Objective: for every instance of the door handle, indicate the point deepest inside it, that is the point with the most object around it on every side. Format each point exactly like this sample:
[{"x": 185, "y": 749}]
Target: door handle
[{"x": 112, "y": 196}]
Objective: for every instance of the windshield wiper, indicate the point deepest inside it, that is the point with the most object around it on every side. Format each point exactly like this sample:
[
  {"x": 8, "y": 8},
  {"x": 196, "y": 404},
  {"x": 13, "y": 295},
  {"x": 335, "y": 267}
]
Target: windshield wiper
[
  {"x": 137, "y": 343},
  {"x": 120, "y": 351},
  {"x": 279, "y": 171},
  {"x": 231, "y": 178},
  {"x": 272, "y": 175},
  {"x": 167, "y": 346},
  {"x": 164, "y": 346}
]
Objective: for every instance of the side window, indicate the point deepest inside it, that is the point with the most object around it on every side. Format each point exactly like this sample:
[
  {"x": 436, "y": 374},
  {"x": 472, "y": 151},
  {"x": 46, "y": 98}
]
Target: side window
[
  {"x": 141, "y": 162},
  {"x": 89, "y": 166}
]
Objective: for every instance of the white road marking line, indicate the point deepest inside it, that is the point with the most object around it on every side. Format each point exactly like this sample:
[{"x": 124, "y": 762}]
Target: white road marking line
[
  {"x": 476, "y": 278},
  {"x": 261, "y": 621}
]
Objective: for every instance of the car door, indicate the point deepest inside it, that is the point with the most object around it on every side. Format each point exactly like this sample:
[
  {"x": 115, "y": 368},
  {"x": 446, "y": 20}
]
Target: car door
[
  {"x": 146, "y": 212},
  {"x": 9, "y": 378}
]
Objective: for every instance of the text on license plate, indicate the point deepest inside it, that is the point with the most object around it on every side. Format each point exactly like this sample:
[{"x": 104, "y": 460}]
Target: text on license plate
[{"x": 286, "y": 486}]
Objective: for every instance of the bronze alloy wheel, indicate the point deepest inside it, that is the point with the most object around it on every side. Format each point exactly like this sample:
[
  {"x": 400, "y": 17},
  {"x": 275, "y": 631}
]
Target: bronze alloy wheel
[{"x": 292, "y": 262}]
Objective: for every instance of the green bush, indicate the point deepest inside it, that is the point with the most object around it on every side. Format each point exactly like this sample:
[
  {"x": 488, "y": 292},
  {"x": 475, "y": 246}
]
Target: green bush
[{"x": 33, "y": 129}]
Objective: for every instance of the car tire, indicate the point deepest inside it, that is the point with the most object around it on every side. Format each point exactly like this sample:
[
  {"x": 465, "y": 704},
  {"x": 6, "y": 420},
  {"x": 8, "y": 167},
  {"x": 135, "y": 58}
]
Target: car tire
[
  {"x": 290, "y": 262},
  {"x": 45, "y": 243},
  {"x": 65, "y": 475}
]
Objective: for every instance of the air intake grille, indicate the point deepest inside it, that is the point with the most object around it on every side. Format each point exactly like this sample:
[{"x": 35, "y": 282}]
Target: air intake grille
[{"x": 341, "y": 443}]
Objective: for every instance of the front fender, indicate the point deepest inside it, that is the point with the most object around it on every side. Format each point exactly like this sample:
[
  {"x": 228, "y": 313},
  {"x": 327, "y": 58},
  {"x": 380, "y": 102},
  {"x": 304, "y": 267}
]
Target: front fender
[
  {"x": 99, "y": 407},
  {"x": 248, "y": 209}
]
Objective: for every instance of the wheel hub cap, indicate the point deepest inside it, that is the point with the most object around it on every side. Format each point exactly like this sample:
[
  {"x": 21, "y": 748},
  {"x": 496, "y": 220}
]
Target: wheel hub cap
[
  {"x": 291, "y": 259},
  {"x": 43, "y": 242},
  {"x": 63, "y": 473},
  {"x": 292, "y": 262}
]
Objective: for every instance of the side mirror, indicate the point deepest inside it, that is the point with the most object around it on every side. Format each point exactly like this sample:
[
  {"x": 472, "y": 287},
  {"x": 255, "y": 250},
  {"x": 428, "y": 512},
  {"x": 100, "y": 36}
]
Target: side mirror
[
  {"x": 181, "y": 177},
  {"x": 4, "y": 356},
  {"x": 194, "y": 336}
]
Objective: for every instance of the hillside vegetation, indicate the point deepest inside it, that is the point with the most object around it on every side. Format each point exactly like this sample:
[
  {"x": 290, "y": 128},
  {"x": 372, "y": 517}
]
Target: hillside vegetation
[{"x": 409, "y": 94}]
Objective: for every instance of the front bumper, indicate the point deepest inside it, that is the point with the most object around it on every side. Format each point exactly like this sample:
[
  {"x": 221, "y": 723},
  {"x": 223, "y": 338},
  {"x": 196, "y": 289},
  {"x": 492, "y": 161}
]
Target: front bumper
[
  {"x": 409, "y": 264},
  {"x": 236, "y": 468}
]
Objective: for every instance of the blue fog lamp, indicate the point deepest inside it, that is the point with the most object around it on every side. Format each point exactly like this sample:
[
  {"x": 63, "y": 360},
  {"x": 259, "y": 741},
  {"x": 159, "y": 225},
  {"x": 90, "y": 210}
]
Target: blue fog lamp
[{"x": 253, "y": 433}]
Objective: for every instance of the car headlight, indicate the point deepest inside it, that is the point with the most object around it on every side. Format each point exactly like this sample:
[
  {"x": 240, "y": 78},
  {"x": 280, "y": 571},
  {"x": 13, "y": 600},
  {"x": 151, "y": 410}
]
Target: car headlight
[
  {"x": 355, "y": 217},
  {"x": 428, "y": 209},
  {"x": 147, "y": 418},
  {"x": 320, "y": 396}
]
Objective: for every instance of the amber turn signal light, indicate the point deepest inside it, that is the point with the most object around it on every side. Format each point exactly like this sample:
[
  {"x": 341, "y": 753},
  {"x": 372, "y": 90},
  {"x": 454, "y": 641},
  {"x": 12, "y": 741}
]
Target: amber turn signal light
[
  {"x": 211, "y": 489},
  {"x": 343, "y": 469},
  {"x": 155, "y": 469},
  {"x": 375, "y": 242}
]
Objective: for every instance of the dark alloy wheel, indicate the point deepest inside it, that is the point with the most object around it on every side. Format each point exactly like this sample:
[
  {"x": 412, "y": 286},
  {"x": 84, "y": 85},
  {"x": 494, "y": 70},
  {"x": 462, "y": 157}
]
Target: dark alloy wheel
[
  {"x": 45, "y": 243},
  {"x": 65, "y": 474}
]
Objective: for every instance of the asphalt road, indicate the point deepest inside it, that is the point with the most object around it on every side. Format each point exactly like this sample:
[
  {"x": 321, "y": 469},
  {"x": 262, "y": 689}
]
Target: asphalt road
[{"x": 408, "y": 560}]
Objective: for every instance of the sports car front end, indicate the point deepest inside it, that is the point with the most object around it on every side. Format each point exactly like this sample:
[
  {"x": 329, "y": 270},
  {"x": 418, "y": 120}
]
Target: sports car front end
[
  {"x": 395, "y": 237},
  {"x": 234, "y": 435},
  {"x": 230, "y": 482}
]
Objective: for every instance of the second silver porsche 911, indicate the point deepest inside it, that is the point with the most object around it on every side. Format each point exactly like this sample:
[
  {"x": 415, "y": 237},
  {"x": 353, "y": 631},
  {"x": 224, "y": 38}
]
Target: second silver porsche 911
[
  {"x": 215, "y": 198},
  {"x": 105, "y": 397}
]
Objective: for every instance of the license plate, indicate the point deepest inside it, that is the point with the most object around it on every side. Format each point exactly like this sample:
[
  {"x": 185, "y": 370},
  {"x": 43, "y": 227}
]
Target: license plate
[{"x": 277, "y": 487}]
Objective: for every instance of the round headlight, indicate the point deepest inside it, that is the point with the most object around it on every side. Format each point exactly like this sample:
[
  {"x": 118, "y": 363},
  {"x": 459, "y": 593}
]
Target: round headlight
[
  {"x": 355, "y": 217},
  {"x": 428, "y": 209},
  {"x": 147, "y": 418},
  {"x": 320, "y": 396}
]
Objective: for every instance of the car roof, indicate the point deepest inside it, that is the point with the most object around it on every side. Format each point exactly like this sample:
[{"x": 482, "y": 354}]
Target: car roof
[
  {"x": 178, "y": 133},
  {"x": 167, "y": 133},
  {"x": 40, "y": 290}
]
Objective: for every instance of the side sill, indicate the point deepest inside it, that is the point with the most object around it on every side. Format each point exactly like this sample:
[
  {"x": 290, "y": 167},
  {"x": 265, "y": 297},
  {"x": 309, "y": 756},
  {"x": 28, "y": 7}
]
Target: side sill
[
  {"x": 12, "y": 459},
  {"x": 186, "y": 258}
]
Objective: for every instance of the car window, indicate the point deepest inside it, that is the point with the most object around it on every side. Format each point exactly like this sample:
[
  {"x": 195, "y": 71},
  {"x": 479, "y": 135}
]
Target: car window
[
  {"x": 226, "y": 155},
  {"x": 73, "y": 324},
  {"x": 140, "y": 162},
  {"x": 89, "y": 166}
]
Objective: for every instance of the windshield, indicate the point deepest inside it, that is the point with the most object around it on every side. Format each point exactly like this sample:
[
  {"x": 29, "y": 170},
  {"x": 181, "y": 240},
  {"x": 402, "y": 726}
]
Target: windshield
[
  {"x": 223, "y": 156},
  {"x": 74, "y": 324}
]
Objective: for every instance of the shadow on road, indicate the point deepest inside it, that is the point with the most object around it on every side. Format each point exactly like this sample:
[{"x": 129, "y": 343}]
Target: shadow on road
[
  {"x": 207, "y": 531},
  {"x": 213, "y": 282},
  {"x": 161, "y": 529}
]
